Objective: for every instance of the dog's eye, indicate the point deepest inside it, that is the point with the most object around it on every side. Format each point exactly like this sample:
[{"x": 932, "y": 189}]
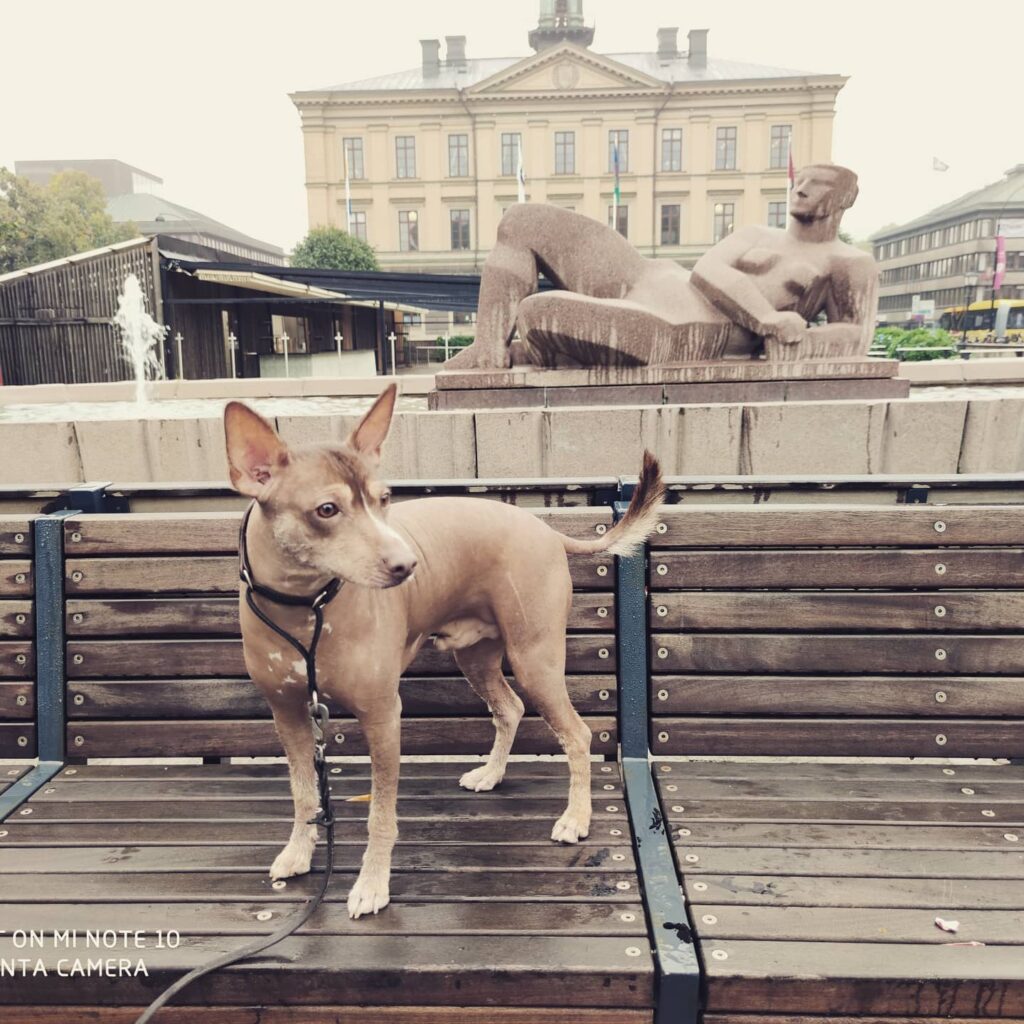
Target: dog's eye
[
  {"x": 327, "y": 510},
  {"x": 385, "y": 499}
]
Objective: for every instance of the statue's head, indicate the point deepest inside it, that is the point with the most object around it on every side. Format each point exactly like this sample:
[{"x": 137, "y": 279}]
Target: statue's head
[{"x": 821, "y": 191}]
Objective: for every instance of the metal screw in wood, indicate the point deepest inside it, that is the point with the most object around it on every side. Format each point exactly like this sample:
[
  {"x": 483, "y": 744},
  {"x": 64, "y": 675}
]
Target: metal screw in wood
[
  {"x": 335, "y": 771},
  {"x": 14, "y": 771},
  {"x": 604, "y": 737},
  {"x": 77, "y": 617},
  {"x": 18, "y": 538},
  {"x": 671, "y": 789},
  {"x": 678, "y": 808},
  {"x": 22, "y": 741},
  {"x": 602, "y": 652},
  {"x": 601, "y": 528},
  {"x": 666, "y": 768},
  {"x": 76, "y": 576},
  {"x": 79, "y": 741},
  {"x": 988, "y": 814},
  {"x": 75, "y": 538},
  {"x": 623, "y": 886},
  {"x": 618, "y": 856},
  {"x": 662, "y": 570},
  {"x": 26, "y": 810},
  {"x": 948, "y": 771},
  {"x": 339, "y": 737},
  {"x": 719, "y": 954},
  {"x": 21, "y": 700},
  {"x": 662, "y": 611},
  {"x": 622, "y": 917},
  {"x": 940, "y": 611},
  {"x": 940, "y": 697},
  {"x": 663, "y": 737},
  {"x": 691, "y": 858},
  {"x": 663, "y": 652},
  {"x": 278, "y": 885},
  {"x": 615, "y": 832},
  {"x": 19, "y": 619},
  {"x": 709, "y": 919},
  {"x": 50, "y": 790},
  {"x": 700, "y": 886},
  {"x": 608, "y": 786},
  {"x": 19, "y": 577},
  {"x": 606, "y": 769},
  {"x": 662, "y": 528},
  {"x": 3, "y": 833},
  {"x": 602, "y": 613},
  {"x": 940, "y": 526},
  {"x": 632, "y": 951},
  {"x": 21, "y": 659},
  {"x": 663, "y": 695},
  {"x": 264, "y": 915},
  {"x": 940, "y": 654},
  {"x": 71, "y": 771},
  {"x": 683, "y": 832},
  {"x": 603, "y": 694},
  {"x": 967, "y": 791},
  {"x": 79, "y": 698},
  {"x": 1010, "y": 837},
  {"x": 602, "y": 570},
  {"x": 611, "y": 809},
  {"x": 940, "y": 739},
  {"x": 940, "y": 568},
  {"x": 78, "y": 659}
]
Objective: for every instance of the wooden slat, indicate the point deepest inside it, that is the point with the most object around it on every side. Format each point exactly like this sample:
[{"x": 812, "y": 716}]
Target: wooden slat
[
  {"x": 355, "y": 969},
  {"x": 839, "y": 654},
  {"x": 17, "y": 700},
  {"x": 729, "y": 1018},
  {"x": 848, "y": 737},
  {"x": 777, "y": 610},
  {"x": 235, "y": 918},
  {"x": 836, "y": 977},
  {"x": 17, "y": 659},
  {"x": 857, "y": 924},
  {"x": 838, "y": 525},
  {"x": 16, "y": 536},
  {"x": 933, "y": 894},
  {"x": 892, "y": 770},
  {"x": 957, "y": 696},
  {"x": 202, "y": 738},
  {"x": 895, "y": 568},
  {"x": 16, "y": 620},
  {"x": 217, "y": 532},
  {"x": 218, "y": 616},
  {"x": 239, "y": 698},
  {"x": 213, "y": 574},
  {"x": 15, "y": 578},
  {"x": 195, "y": 658},
  {"x": 17, "y": 739}
]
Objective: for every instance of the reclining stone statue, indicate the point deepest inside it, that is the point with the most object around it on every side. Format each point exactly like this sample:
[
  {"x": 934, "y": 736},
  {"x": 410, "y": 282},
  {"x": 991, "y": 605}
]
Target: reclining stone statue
[{"x": 756, "y": 291}]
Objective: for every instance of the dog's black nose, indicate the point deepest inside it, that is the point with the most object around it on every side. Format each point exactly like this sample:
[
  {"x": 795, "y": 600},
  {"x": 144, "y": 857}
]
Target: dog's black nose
[{"x": 402, "y": 570}]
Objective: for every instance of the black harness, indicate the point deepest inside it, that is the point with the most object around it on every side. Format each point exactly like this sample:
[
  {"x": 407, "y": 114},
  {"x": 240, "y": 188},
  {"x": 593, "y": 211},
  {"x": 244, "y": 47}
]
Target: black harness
[{"x": 319, "y": 719}]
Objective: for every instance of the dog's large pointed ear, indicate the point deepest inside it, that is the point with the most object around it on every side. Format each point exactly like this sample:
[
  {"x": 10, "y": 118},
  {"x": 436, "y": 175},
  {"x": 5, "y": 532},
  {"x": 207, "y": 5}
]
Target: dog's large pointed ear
[
  {"x": 255, "y": 452},
  {"x": 369, "y": 435}
]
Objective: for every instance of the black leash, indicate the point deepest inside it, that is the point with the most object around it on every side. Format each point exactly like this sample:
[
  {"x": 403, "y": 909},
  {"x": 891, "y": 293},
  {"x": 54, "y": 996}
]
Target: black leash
[{"x": 319, "y": 718}]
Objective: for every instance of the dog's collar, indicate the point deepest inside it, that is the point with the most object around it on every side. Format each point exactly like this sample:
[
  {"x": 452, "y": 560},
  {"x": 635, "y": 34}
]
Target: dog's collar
[{"x": 245, "y": 573}]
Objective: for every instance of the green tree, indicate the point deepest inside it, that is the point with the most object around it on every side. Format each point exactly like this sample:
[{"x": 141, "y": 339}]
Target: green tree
[
  {"x": 330, "y": 248},
  {"x": 63, "y": 217}
]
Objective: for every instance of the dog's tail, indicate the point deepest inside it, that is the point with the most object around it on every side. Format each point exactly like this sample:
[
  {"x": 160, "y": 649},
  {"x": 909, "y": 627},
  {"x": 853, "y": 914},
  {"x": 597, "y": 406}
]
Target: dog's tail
[{"x": 629, "y": 533}]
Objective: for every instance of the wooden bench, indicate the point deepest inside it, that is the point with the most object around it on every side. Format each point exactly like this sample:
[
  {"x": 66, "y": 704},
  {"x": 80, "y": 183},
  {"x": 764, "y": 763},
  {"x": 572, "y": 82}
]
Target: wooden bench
[
  {"x": 17, "y": 651},
  {"x": 489, "y": 921},
  {"x": 866, "y": 632}
]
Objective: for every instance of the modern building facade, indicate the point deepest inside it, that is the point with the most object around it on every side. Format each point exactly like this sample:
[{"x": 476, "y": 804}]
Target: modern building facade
[
  {"x": 433, "y": 153},
  {"x": 948, "y": 256}
]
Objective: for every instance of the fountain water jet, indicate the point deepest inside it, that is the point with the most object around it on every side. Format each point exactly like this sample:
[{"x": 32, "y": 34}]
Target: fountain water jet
[{"x": 140, "y": 336}]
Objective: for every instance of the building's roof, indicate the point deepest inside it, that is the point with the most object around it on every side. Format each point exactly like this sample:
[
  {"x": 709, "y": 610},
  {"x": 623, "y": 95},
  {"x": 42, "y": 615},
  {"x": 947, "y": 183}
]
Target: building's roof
[
  {"x": 65, "y": 261},
  {"x": 31, "y": 166},
  {"x": 481, "y": 68},
  {"x": 1010, "y": 188},
  {"x": 154, "y": 215}
]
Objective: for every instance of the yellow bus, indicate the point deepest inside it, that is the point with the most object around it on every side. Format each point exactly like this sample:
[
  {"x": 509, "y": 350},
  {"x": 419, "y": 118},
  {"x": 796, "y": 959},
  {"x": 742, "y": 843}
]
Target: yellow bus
[{"x": 984, "y": 323}]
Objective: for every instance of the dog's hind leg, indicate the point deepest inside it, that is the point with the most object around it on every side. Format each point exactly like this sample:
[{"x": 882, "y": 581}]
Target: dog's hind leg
[
  {"x": 481, "y": 665},
  {"x": 539, "y": 667},
  {"x": 291, "y": 718}
]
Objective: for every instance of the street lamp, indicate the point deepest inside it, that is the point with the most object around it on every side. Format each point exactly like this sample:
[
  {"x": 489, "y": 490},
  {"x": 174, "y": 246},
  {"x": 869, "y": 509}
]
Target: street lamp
[{"x": 970, "y": 283}]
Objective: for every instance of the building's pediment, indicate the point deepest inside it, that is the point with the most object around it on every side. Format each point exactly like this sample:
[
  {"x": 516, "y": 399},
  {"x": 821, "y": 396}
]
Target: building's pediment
[{"x": 564, "y": 68}]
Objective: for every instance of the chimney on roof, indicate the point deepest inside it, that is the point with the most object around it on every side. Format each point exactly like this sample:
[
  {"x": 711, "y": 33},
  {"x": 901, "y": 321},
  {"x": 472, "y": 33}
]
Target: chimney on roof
[
  {"x": 455, "y": 52},
  {"x": 668, "y": 45},
  {"x": 431, "y": 57},
  {"x": 698, "y": 52}
]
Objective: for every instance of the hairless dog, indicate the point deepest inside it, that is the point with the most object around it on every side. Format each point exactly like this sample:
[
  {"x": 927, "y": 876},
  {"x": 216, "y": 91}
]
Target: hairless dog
[{"x": 481, "y": 578}]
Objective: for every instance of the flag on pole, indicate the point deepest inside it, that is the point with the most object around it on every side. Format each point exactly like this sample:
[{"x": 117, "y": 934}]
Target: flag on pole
[
  {"x": 348, "y": 198},
  {"x": 520, "y": 173},
  {"x": 1000, "y": 269},
  {"x": 939, "y": 165}
]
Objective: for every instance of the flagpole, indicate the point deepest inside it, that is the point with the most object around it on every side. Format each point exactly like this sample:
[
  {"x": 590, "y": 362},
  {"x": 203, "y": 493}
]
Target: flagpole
[
  {"x": 790, "y": 174},
  {"x": 616, "y": 193},
  {"x": 520, "y": 173},
  {"x": 348, "y": 198}
]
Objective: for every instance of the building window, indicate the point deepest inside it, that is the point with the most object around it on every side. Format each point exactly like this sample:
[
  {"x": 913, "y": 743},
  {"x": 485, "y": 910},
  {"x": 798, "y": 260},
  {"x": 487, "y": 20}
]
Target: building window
[
  {"x": 670, "y": 224},
  {"x": 778, "y": 156},
  {"x": 460, "y": 229},
  {"x": 510, "y": 145},
  {"x": 458, "y": 156},
  {"x": 405, "y": 156},
  {"x": 618, "y": 218},
  {"x": 725, "y": 215},
  {"x": 408, "y": 230},
  {"x": 565, "y": 152},
  {"x": 672, "y": 149},
  {"x": 359, "y": 224},
  {"x": 725, "y": 149},
  {"x": 618, "y": 137},
  {"x": 353, "y": 153},
  {"x": 776, "y": 215}
]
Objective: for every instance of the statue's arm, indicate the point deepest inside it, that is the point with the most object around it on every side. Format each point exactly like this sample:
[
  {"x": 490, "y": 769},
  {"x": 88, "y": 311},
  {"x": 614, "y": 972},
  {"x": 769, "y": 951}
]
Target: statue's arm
[
  {"x": 734, "y": 292},
  {"x": 852, "y": 304}
]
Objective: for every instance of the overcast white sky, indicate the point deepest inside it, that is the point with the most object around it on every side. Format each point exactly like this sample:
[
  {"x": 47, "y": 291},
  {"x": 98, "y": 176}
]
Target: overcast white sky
[{"x": 197, "y": 92}]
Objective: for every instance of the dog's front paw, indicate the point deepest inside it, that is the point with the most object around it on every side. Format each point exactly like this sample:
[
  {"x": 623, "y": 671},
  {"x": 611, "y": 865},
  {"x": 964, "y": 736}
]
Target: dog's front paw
[
  {"x": 293, "y": 860},
  {"x": 370, "y": 893},
  {"x": 482, "y": 779},
  {"x": 570, "y": 829}
]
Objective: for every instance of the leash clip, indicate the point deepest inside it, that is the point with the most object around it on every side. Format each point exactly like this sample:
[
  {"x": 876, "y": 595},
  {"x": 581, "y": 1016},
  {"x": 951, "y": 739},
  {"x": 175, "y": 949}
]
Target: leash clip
[{"x": 320, "y": 717}]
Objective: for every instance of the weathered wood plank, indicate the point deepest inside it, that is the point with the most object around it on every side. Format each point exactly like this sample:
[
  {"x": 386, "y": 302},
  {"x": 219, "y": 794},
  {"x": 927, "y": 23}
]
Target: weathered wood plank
[
  {"x": 16, "y": 622},
  {"x": 17, "y": 739},
  {"x": 850, "y": 863},
  {"x": 17, "y": 701},
  {"x": 836, "y": 977},
  {"x": 838, "y": 695},
  {"x": 355, "y": 969},
  {"x": 857, "y": 924},
  {"x": 847, "y": 737},
  {"x": 236, "y": 918},
  {"x": 205, "y": 738},
  {"x": 916, "y": 771},
  {"x": 91, "y": 659},
  {"x": 894, "y": 569},
  {"x": 16, "y": 578},
  {"x": 218, "y": 616},
  {"x": 237, "y": 698},
  {"x": 217, "y": 532},
  {"x": 898, "y": 893},
  {"x": 954, "y": 611},
  {"x": 406, "y": 887},
  {"x": 840, "y": 654},
  {"x": 17, "y": 659},
  {"x": 16, "y": 536},
  {"x": 214, "y": 574}
]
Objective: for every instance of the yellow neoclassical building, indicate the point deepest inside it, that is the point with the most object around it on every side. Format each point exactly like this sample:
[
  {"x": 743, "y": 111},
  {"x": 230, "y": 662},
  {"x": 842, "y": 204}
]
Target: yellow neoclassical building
[{"x": 433, "y": 153}]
